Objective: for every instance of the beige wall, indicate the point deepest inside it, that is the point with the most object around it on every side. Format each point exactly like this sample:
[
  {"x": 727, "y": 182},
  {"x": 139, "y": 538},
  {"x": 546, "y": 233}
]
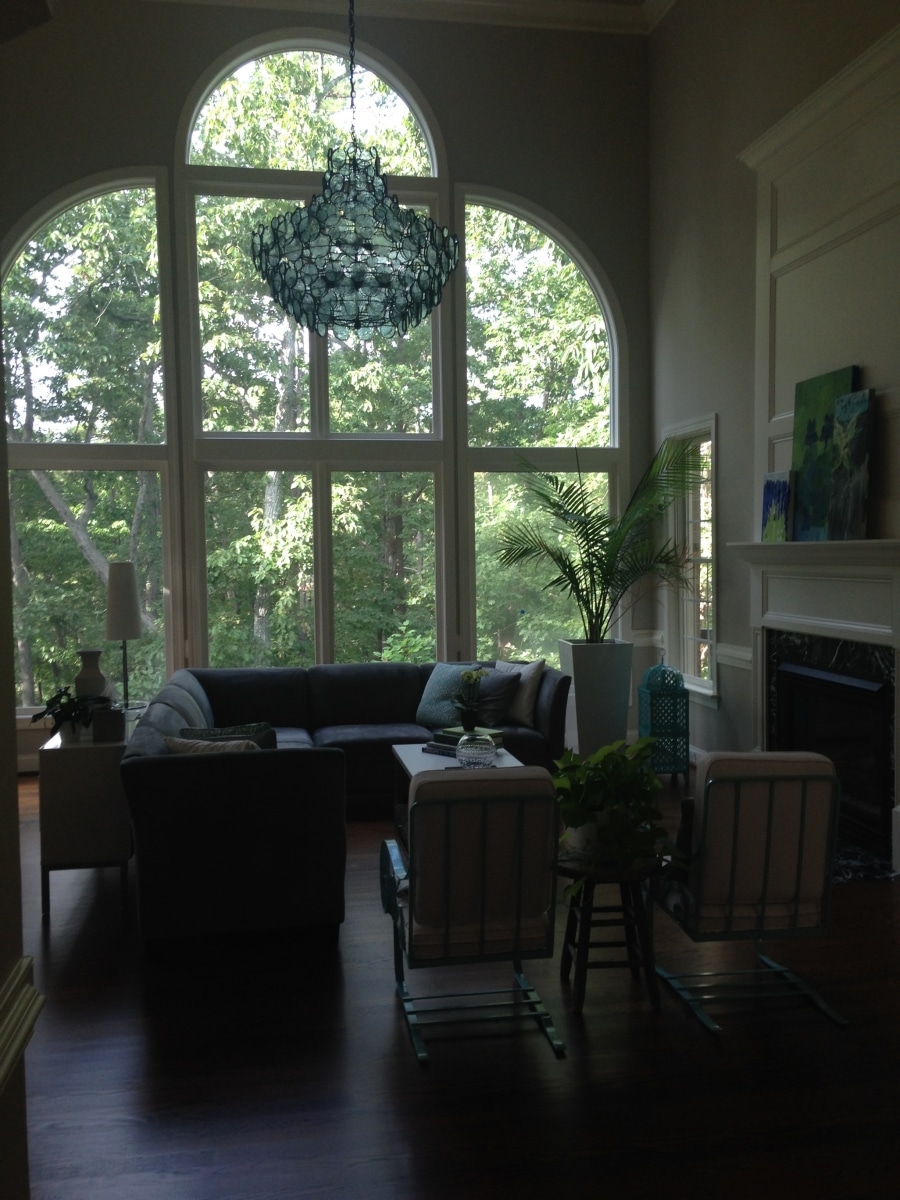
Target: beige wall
[{"x": 721, "y": 75}]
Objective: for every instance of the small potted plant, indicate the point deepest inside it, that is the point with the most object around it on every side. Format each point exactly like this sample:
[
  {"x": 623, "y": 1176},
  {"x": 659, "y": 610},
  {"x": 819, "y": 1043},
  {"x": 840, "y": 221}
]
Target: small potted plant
[
  {"x": 70, "y": 714},
  {"x": 466, "y": 700},
  {"x": 608, "y": 804}
]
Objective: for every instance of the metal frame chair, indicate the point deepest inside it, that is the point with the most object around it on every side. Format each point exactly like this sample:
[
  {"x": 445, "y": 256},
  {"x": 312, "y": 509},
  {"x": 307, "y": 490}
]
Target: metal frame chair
[
  {"x": 760, "y": 846},
  {"x": 476, "y": 885}
]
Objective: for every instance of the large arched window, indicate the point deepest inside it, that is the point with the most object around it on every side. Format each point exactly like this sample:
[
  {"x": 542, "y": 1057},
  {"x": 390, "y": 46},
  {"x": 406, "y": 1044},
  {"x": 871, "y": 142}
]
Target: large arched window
[{"x": 295, "y": 498}]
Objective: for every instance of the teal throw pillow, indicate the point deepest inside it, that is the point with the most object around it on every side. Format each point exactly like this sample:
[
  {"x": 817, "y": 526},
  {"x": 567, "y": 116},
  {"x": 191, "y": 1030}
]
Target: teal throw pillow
[{"x": 436, "y": 708}]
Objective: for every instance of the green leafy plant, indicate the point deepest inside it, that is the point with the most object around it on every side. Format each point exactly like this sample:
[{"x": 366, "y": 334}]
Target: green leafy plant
[
  {"x": 64, "y": 708},
  {"x": 614, "y": 791},
  {"x": 599, "y": 558},
  {"x": 466, "y": 700}
]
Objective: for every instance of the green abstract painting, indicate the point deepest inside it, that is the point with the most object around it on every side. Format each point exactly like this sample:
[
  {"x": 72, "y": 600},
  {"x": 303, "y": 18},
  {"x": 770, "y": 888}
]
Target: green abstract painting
[{"x": 813, "y": 457}]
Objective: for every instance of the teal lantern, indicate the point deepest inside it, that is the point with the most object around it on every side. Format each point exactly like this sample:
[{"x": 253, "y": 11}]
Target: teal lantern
[{"x": 663, "y": 714}]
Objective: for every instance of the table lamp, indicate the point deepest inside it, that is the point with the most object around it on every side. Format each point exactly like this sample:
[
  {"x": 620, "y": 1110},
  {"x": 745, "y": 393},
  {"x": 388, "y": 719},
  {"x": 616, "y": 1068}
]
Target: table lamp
[{"x": 123, "y": 612}]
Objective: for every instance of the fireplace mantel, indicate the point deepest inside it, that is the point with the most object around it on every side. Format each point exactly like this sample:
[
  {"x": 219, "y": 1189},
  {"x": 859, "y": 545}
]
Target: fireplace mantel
[
  {"x": 878, "y": 552},
  {"x": 833, "y": 589}
]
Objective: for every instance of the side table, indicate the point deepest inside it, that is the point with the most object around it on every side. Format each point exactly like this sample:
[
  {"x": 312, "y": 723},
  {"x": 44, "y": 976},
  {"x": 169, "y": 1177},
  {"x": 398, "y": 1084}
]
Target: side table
[
  {"x": 585, "y": 916},
  {"x": 83, "y": 812}
]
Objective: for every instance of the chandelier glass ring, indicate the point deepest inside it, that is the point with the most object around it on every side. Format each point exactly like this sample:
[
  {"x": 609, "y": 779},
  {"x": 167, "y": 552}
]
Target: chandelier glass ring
[{"x": 353, "y": 260}]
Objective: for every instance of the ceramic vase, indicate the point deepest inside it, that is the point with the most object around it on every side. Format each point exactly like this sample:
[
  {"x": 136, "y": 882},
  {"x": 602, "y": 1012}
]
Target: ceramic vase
[{"x": 90, "y": 680}]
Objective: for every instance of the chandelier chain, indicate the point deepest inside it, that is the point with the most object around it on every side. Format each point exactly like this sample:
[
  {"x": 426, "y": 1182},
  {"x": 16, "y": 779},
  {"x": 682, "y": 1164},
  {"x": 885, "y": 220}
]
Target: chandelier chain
[{"x": 351, "y": 25}]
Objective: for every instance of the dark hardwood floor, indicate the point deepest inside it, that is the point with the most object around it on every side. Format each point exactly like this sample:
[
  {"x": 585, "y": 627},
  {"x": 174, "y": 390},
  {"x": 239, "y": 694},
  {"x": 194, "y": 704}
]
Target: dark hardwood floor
[{"x": 257, "y": 1072}]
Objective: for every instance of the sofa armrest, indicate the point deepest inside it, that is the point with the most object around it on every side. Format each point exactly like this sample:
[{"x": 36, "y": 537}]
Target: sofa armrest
[
  {"x": 227, "y": 842},
  {"x": 550, "y": 710}
]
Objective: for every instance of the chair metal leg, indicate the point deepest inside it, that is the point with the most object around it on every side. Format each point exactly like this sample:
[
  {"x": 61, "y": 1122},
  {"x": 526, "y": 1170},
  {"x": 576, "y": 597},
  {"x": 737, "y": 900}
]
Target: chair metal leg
[
  {"x": 521, "y": 1002},
  {"x": 772, "y": 981},
  {"x": 412, "y": 1021},
  {"x": 804, "y": 989}
]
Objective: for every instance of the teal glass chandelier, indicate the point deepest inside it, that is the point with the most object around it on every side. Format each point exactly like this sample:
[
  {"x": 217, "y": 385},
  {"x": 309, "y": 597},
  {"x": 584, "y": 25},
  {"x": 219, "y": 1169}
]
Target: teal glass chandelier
[{"x": 353, "y": 260}]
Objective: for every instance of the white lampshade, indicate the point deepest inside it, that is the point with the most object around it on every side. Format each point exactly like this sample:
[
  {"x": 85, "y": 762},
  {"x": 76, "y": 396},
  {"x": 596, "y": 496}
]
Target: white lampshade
[{"x": 123, "y": 610}]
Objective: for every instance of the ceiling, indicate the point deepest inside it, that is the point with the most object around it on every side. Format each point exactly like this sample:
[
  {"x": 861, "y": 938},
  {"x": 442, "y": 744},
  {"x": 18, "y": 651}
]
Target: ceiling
[{"x": 614, "y": 16}]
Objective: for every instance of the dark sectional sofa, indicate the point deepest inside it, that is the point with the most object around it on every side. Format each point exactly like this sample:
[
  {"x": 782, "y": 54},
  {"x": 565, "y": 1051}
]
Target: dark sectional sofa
[{"x": 234, "y": 841}]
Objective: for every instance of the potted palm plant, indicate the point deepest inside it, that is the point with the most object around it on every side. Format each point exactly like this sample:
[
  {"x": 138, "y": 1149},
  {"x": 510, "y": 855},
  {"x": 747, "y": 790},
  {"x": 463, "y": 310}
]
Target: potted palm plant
[{"x": 601, "y": 560}]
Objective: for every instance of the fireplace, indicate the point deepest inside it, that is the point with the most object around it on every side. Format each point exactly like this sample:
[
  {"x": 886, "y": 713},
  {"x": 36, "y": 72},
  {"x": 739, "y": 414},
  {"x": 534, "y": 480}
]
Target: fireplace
[
  {"x": 826, "y": 630},
  {"x": 844, "y": 714}
]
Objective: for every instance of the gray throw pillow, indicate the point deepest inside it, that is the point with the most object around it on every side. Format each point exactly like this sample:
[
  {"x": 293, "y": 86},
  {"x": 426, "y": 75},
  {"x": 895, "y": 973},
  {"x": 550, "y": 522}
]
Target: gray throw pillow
[
  {"x": 436, "y": 708},
  {"x": 210, "y": 746},
  {"x": 260, "y": 732},
  {"x": 521, "y": 711}
]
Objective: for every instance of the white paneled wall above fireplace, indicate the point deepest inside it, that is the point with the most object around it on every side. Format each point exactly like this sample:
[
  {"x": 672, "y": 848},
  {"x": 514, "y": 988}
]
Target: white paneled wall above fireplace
[{"x": 828, "y": 261}]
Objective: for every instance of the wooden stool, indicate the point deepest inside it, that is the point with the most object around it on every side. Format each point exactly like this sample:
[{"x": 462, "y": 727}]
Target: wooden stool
[{"x": 586, "y": 916}]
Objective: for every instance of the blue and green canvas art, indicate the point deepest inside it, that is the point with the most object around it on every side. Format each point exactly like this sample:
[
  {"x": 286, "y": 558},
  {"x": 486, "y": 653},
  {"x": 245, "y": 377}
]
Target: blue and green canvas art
[
  {"x": 777, "y": 512},
  {"x": 850, "y": 477},
  {"x": 813, "y": 452}
]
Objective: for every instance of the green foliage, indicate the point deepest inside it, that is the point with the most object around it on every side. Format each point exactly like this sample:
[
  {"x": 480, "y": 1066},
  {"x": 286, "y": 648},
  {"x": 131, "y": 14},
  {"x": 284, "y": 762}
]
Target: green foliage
[
  {"x": 614, "y": 789},
  {"x": 65, "y": 708},
  {"x": 538, "y": 352},
  {"x": 600, "y": 558},
  {"x": 285, "y": 111},
  {"x": 408, "y": 644}
]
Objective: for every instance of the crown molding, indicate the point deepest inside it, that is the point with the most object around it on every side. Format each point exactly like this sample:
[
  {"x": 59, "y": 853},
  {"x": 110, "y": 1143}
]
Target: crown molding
[{"x": 589, "y": 16}]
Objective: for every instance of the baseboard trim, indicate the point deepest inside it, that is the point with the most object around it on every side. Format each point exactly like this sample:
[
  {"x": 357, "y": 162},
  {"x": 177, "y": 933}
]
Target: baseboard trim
[{"x": 20, "y": 1004}]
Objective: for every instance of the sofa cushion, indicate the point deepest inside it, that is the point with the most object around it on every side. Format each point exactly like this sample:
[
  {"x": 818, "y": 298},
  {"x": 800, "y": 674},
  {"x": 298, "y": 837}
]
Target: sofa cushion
[
  {"x": 289, "y": 737},
  {"x": 370, "y": 736},
  {"x": 183, "y": 702},
  {"x": 158, "y": 722},
  {"x": 177, "y": 745},
  {"x": 188, "y": 682},
  {"x": 261, "y": 733},
  {"x": 521, "y": 711},
  {"x": 239, "y": 695},
  {"x": 436, "y": 708},
  {"x": 363, "y": 694}
]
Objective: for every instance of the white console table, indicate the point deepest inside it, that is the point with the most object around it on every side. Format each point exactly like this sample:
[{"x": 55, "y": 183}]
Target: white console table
[{"x": 83, "y": 813}]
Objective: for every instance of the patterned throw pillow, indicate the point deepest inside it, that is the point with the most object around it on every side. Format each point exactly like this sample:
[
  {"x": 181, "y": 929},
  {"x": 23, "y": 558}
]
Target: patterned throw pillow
[
  {"x": 521, "y": 710},
  {"x": 260, "y": 732},
  {"x": 436, "y": 707}
]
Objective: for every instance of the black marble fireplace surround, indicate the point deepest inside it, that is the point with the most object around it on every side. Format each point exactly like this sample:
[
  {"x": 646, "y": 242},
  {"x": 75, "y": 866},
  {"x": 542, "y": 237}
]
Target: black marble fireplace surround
[{"x": 836, "y": 697}]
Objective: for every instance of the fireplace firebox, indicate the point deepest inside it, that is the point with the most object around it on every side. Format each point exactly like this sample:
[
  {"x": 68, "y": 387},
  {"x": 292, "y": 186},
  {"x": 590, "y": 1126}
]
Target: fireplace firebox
[{"x": 851, "y": 721}]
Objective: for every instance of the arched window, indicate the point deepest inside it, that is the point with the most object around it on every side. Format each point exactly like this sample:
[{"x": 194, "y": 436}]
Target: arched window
[{"x": 304, "y": 498}]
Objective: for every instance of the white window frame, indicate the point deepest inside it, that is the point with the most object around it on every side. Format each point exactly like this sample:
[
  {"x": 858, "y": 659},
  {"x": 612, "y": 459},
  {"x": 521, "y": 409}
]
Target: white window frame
[{"x": 681, "y": 605}]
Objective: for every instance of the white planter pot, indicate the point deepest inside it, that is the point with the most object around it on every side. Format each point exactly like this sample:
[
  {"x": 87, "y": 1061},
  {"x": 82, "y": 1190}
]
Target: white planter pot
[
  {"x": 579, "y": 844},
  {"x": 601, "y": 683}
]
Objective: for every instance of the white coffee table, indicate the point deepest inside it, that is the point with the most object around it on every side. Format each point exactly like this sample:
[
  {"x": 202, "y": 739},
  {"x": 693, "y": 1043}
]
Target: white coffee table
[{"x": 414, "y": 760}]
